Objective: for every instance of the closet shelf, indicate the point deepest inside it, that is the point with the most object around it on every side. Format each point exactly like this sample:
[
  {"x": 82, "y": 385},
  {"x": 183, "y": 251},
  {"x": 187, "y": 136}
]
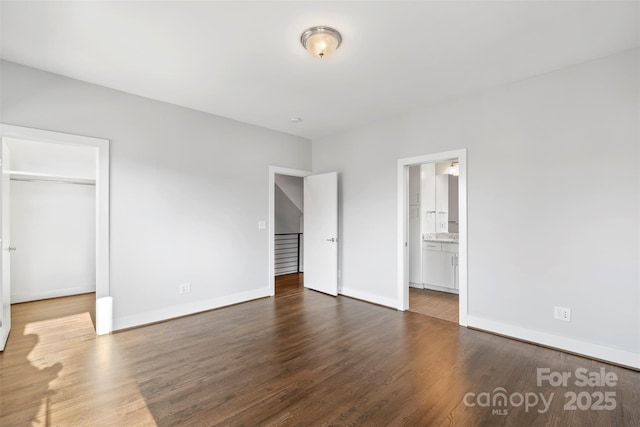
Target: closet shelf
[{"x": 44, "y": 177}]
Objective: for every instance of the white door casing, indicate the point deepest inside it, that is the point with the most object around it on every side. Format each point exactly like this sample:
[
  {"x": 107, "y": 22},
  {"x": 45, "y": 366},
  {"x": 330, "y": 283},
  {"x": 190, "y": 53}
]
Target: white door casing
[
  {"x": 321, "y": 232},
  {"x": 5, "y": 298},
  {"x": 104, "y": 316},
  {"x": 403, "y": 227}
]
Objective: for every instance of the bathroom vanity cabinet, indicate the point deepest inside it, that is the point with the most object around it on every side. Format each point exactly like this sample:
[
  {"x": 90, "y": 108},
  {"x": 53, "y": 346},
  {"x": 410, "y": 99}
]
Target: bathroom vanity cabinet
[{"x": 440, "y": 266}]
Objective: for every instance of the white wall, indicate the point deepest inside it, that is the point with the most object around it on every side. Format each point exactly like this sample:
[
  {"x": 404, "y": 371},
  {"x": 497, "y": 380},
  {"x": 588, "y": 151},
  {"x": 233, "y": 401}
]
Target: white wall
[
  {"x": 187, "y": 191},
  {"x": 293, "y": 187},
  {"x": 52, "y": 159},
  {"x": 288, "y": 204},
  {"x": 553, "y": 202},
  {"x": 288, "y": 219},
  {"x": 442, "y": 168},
  {"x": 53, "y": 229}
]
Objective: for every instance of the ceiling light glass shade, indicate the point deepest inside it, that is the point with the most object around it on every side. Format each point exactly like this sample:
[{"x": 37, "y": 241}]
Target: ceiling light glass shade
[
  {"x": 454, "y": 169},
  {"x": 321, "y": 41}
]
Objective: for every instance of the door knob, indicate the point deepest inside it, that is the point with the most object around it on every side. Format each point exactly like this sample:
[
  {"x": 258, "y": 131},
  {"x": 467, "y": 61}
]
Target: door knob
[
  {"x": 331, "y": 240},
  {"x": 11, "y": 249}
]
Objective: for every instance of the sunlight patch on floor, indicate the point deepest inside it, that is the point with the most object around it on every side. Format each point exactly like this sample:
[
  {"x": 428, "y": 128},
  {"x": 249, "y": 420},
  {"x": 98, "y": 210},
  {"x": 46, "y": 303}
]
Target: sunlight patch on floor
[
  {"x": 90, "y": 359},
  {"x": 51, "y": 332}
]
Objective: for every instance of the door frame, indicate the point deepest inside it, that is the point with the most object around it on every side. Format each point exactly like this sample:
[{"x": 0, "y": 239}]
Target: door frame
[
  {"x": 273, "y": 171},
  {"x": 104, "y": 315},
  {"x": 403, "y": 227}
]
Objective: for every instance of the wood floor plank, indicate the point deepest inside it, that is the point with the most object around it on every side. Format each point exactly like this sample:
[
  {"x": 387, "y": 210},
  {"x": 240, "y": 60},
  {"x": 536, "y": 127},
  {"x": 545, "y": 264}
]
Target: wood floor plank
[
  {"x": 301, "y": 358},
  {"x": 441, "y": 305}
]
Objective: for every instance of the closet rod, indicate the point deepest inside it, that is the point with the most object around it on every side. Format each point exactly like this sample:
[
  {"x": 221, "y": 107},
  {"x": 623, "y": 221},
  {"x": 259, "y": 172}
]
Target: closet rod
[{"x": 52, "y": 181}]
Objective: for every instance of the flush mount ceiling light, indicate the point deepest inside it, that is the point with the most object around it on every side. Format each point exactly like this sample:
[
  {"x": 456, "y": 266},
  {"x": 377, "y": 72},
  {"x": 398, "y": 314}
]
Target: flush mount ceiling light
[{"x": 321, "y": 41}]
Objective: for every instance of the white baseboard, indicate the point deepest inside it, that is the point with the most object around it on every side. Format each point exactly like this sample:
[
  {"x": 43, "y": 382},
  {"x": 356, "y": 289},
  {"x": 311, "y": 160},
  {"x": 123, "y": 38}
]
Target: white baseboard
[
  {"x": 52, "y": 293},
  {"x": 368, "y": 297},
  {"x": 597, "y": 351},
  {"x": 186, "y": 309}
]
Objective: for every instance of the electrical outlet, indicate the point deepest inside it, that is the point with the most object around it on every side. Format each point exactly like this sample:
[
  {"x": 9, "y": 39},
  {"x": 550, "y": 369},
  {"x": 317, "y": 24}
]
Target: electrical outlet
[
  {"x": 562, "y": 313},
  {"x": 184, "y": 288}
]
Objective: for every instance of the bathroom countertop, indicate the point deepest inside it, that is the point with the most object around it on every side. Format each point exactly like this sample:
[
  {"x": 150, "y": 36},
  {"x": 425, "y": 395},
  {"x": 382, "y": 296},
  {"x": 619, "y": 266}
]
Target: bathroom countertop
[
  {"x": 440, "y": 237},
  {"x": 441, "y": 240}
]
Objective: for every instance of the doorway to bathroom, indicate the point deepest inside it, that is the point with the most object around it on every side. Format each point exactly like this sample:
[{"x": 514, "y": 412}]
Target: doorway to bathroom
[
  {"x": 433, "y": 239},
  {"x": 432, "y": 249}
]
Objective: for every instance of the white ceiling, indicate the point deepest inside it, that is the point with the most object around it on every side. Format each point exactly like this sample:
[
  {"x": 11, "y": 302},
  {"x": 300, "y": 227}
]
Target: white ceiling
[{"x": 243, "y": 60}]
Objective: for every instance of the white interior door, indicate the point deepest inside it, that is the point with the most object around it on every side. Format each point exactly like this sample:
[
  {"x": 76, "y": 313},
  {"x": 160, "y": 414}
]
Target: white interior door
[
  {"x": 5, "y": 295},
  {"x": 321, "y": 232}
]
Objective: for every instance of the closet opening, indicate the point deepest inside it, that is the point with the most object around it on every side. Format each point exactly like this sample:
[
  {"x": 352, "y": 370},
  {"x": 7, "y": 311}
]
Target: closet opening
[{"x": 55, "y": 222}]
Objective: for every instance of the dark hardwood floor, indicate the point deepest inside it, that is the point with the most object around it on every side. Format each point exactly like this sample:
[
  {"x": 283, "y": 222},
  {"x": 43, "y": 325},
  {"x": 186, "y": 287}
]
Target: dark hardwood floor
[
  {"x": 441, "y": 305},
  {"x": 301, "y": 358}
]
